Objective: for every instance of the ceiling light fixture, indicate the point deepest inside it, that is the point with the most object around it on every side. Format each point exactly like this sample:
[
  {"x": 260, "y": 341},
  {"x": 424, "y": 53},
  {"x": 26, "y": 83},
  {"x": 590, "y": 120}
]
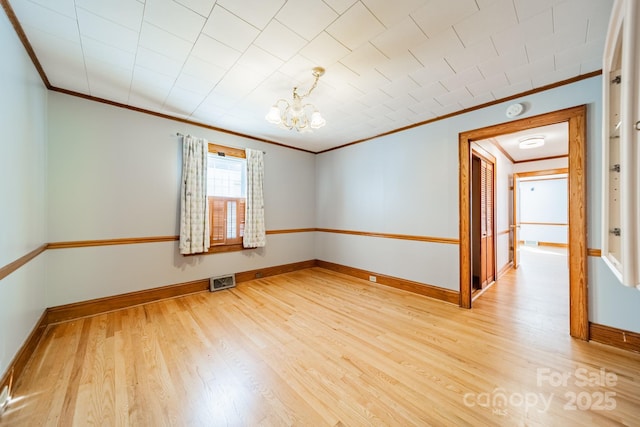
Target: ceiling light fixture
[
  {"x": 531, "y": 142},
  {"x": 294, "y": 114}
]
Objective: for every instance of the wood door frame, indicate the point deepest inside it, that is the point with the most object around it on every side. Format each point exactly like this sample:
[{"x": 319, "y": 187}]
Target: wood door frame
[
  {"x": 514, "y": 211},
  {"x": 576, "y": 118}
]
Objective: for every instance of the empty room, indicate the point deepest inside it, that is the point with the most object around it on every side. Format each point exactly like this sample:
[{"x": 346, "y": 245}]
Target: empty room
[{"x": 319, "y": 212}]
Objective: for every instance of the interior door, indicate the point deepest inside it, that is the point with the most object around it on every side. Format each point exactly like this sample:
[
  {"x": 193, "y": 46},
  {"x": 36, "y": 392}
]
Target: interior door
[
  {"x": 515, "y": 223},
  {"x": 487, "y": 255},
  {"x": 483, "y": 233}
]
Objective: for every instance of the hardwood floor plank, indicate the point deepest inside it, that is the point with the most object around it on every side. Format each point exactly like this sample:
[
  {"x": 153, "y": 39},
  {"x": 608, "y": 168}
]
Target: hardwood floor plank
[{"x": 315, "y": 347}]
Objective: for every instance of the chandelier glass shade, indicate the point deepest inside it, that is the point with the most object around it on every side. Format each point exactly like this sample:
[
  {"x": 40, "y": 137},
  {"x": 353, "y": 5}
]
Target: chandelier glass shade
[{"x": 296, "y": 114}]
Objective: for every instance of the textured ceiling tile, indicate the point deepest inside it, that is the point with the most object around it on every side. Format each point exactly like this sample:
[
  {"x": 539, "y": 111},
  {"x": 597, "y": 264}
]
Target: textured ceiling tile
[
  {"x": 201, "y": 69},
  {"x": 400, "y": 87},
  {"x": 543, "y": 79},
  {"x": 127, "y": 13},
  {"x": 557, "y": 42},
  {"x": 437, "y": 47},
  {"x": 324, "y": 50},
  {"x": 215, "y": 52},
  {"x": 337, "y": 76},
  {"x": 280, "y": 41},
  {"x": 515, "y": 36},
  {"x": 529, "y": 71},
  {"x": 506, "y": 61},
  {"x": 256, "y": 12},
  {"x": 477, "y": 100},
  {"x": 174, "y": 18},
  {"x": 527, "y": 8},
  {"x": 436, "y": 70},
  {"x": 108, "y": 81},
  {"x": 405, "y": 33},
  {"x": 447, "y": 109},
  {"x": 107, "y": 31},
  {"x": 181, "y": 101},
  {"x": 462, "y": 78},
  {"x": 62, "y": 59},
  {"x": 589, "y": 65},
  {"x": 149, "y": 81},
  {"x": 480, "y": 87},
  {"x": 537, "y": 42},
  {"x": 496, "y": 17},
  {"x": 259, "y": 61},
  {"x": 114, "y": 56},
  {"x": 152, "y": 60},
  {"x": 306, "y": 17},
  {"x": 429, "y": 92},
  {"x": 369, "y": 79},
  {"x": 340, "y": 6},
  {"x": 424, "y": 107},
  {"x": 364, "y": 58},
  {"x": 398, "y": 103},
  {"x": 227, "y": 28},
  {"x": 355, "y": 26},
  {"x": 374, "y": 97},
  {"x": 46, "y": 20},
  {"x": 298, "y": 67},
  {"x": 471, "y": 55},
  {"x": 163, "y": 42},
  {"x": 579, "y": 54},
  {"x": 391, "y": 12},
  {"x": 571, "y": 12},
  {"x": 64, "y": 7},
  {"x": 399, "y": 65},
  {"x": 513, "y": 88},
  {"x": 438, "y": 15},
  {"x": 201, "y": 7}
]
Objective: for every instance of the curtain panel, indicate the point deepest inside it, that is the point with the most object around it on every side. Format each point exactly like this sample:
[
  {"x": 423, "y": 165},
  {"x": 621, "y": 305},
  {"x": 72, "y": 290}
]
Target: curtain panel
[
  {"x": 194, "y": 206},
  {"x": 254, "y": 228}
]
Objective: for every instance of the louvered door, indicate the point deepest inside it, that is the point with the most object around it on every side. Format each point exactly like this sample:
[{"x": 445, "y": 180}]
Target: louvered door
[
  {"x": 484, "y": 265},
  {"x": 487, "y": 244}
]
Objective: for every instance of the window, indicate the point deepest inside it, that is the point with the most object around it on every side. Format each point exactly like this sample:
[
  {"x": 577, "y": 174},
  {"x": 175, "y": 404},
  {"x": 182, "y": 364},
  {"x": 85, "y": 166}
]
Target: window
[{"x": 226, "y": 190}]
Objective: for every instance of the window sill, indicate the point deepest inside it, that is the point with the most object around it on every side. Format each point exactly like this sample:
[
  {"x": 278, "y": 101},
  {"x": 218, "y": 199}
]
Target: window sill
[{"x": 217, "y": 249}]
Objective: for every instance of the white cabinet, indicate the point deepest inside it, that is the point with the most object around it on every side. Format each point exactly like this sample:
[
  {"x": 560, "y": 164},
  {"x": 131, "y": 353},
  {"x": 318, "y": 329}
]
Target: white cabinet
[{"x": 621, "y": 154}]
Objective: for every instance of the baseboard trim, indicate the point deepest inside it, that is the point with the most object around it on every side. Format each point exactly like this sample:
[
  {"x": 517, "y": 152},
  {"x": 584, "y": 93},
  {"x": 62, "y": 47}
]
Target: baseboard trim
[
  {"x": 19, "y": 362},
  {"x": 63, "y": 313},
  {"x": 615, "y": 337},
  {"x": 431, "y": 291},
  {"x": 260, "y": 273}
]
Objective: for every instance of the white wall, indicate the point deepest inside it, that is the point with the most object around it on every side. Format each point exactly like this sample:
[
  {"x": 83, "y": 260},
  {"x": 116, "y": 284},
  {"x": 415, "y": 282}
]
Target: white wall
[
  {"x": 543, "y": 201},
  {"x": 407, "y": 183},
  {"x": 23, "y": 122},
  {"x": 115, "y": 173}
]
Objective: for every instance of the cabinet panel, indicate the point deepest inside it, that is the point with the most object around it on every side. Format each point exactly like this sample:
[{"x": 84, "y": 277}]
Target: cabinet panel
[{"x": 621, "y": 155}]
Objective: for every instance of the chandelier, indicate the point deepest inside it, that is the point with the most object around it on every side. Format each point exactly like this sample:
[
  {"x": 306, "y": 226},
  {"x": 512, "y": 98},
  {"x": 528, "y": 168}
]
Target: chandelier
[{"x": 295, "y": 114}]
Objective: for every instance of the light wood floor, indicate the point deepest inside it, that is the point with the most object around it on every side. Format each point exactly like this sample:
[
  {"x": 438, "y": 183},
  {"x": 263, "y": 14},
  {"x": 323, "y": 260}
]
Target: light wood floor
[{"x": 316, "y": 348}]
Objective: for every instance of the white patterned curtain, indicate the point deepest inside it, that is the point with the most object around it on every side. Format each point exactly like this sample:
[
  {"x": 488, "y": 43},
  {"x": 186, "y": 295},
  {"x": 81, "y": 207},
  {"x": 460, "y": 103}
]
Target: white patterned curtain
[
  {"x": 194, "y": 206},
  {"x": 254, "y": 231}
]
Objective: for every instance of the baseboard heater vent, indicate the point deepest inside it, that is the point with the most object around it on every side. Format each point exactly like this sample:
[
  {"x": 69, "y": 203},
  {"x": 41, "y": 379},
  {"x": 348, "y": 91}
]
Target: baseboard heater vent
[{"x": 222, "y": 282}]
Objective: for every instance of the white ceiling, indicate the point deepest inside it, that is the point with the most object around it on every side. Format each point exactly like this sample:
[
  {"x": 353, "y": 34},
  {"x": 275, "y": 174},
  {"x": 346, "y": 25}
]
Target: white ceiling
[
  {"x": 556, "y": 143},
  {"x": 389, "y": 64}
]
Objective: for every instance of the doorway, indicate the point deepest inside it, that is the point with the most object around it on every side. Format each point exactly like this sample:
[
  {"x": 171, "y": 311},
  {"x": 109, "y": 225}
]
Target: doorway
[
  {"x": 577, "y": 245},
  {"x": 542, "y": 225}
]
